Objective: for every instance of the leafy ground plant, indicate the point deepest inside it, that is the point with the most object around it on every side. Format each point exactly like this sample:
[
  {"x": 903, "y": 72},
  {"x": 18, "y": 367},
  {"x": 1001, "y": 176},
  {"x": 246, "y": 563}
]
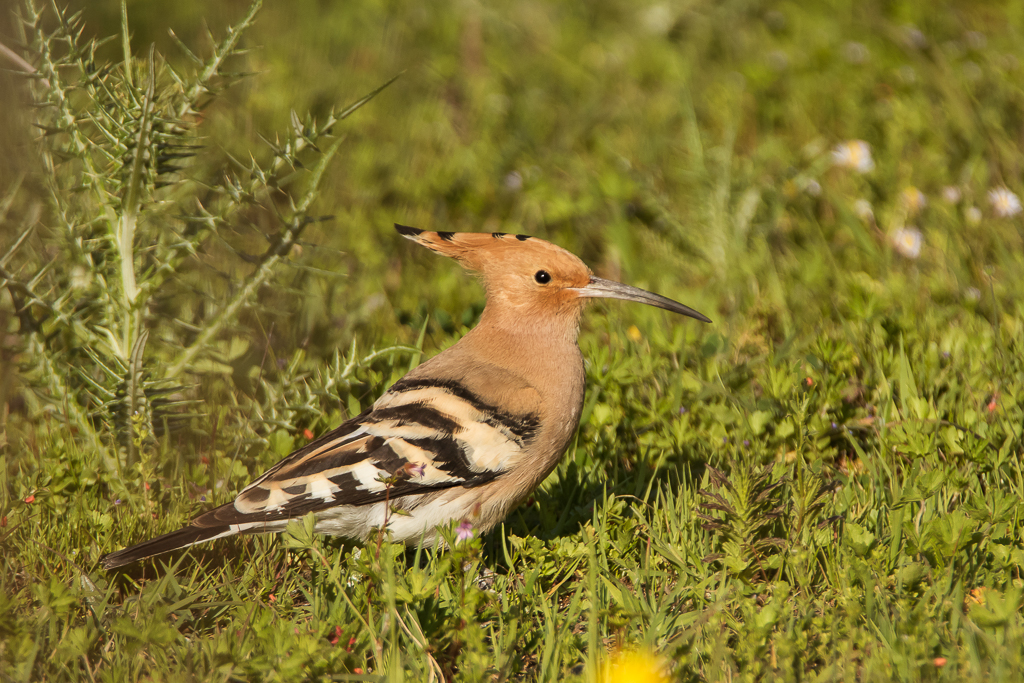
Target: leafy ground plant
[{"x": 824, "y": 485}]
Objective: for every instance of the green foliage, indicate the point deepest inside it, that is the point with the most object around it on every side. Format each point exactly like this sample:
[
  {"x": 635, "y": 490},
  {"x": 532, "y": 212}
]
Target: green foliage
[
  {"x": 106, "y": 297},
  {"x": 825, "y": 484}
]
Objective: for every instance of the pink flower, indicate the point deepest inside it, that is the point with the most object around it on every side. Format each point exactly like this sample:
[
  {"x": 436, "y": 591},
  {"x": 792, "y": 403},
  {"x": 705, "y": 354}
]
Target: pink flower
[
  {"x": 414, "y": 470},
  {"x": 464, "y": 531}
]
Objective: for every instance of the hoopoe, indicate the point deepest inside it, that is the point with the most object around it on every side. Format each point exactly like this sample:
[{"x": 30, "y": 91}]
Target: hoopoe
[{"x": 466, "y": 436}]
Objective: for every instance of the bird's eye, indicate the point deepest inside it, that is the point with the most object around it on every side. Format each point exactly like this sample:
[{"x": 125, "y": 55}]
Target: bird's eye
[{"x": 542, "y": 277}]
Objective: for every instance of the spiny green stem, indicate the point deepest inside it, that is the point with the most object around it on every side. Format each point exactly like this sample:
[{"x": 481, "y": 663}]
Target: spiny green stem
[{"x": 257, "y": 279}]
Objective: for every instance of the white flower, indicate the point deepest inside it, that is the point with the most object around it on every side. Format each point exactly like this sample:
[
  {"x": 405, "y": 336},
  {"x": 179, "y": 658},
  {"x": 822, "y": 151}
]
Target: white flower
[
  {"x": 514, "y": 181},
  {"x": 853, "y": 154},
  {"x": 907, "y": 242},
  {"x": 913, "y": 200},
  {"x": 813, "y": 188},
  {"x": 973, "y": 215},
  {"x": 862, "y": 208},
  {"x": 971, "y": 70},
  {"x": 658, "y": 19},
  {"x": 914, "y": 38},
  {"x": 973, "y": 294},
  {"x": 855, "y": 53},
  {"x": 951, "y": 194},
  {"x": 975, "y": 40},
  {"x": 1004, "y": 202},
  {"x": 778, "y": 60}
]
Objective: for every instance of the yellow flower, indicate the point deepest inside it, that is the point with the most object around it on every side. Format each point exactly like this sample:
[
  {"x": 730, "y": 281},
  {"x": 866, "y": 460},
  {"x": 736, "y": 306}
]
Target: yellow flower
[
  {"x": 634, "y": 333},
  {"x": 634, "y": 667}
]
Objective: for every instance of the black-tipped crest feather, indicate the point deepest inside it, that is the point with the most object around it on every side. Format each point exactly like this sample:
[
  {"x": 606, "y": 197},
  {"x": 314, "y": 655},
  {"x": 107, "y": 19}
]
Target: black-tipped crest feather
[{"x": 407, "y": 231}]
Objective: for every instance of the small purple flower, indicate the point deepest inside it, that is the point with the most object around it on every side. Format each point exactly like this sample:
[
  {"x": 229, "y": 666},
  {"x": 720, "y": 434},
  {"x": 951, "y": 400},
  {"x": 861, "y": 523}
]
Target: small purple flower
[
  {"x": 746, "y": 443},
  {"x": 725, "y": 439},
  {"x": 683, "y": 410},
  {"x": 117, "y": 502},
  {"x": 464, "y": 531},
  {"x": 202, "y": 499},
  {"x": 834, "y": 425}
]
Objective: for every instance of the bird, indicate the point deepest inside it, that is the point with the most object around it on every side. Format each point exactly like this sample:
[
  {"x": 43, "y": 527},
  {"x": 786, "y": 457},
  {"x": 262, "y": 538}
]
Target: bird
[{"x": 465, "y": 436}]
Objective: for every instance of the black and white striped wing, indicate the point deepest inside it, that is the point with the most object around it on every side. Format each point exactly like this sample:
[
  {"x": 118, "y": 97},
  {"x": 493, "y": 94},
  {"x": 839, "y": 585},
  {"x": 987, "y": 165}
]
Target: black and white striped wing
[{"x": 421, "y": 436}]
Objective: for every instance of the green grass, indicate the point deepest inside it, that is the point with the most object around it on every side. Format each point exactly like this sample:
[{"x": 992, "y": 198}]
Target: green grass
[{"x": 826, "y": 484}]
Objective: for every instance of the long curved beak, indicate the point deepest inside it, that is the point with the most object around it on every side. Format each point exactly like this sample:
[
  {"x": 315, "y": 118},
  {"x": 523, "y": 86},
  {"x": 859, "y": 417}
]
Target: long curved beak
[{"x": 600, "y": 288}]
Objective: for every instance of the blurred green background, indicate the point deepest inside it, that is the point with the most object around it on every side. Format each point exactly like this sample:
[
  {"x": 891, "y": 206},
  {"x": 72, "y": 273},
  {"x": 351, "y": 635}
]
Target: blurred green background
[{"x": 669, "y": 144}]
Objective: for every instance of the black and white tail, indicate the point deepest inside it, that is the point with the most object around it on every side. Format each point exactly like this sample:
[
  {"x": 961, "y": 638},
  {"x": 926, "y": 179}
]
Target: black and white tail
[
  {"x": 182, "y": 538},
  {"x": 217, "y": 523}
]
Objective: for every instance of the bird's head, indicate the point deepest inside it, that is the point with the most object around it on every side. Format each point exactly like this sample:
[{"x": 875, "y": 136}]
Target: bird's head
[{"x": 526, "y": 274}]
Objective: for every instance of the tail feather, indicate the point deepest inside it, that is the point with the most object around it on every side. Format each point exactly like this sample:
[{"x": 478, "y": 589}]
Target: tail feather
[
  {"x": 182, "y": 538},
  {"x": 219, "y": 522}
]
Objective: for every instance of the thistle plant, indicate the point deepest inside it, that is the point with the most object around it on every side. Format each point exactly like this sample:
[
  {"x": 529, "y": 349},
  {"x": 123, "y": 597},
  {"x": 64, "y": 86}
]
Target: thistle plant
[
  {"x": 759, "y": 516},
  {"x": 748, "y": 528},
  {"x": 99, "y": 275}
]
